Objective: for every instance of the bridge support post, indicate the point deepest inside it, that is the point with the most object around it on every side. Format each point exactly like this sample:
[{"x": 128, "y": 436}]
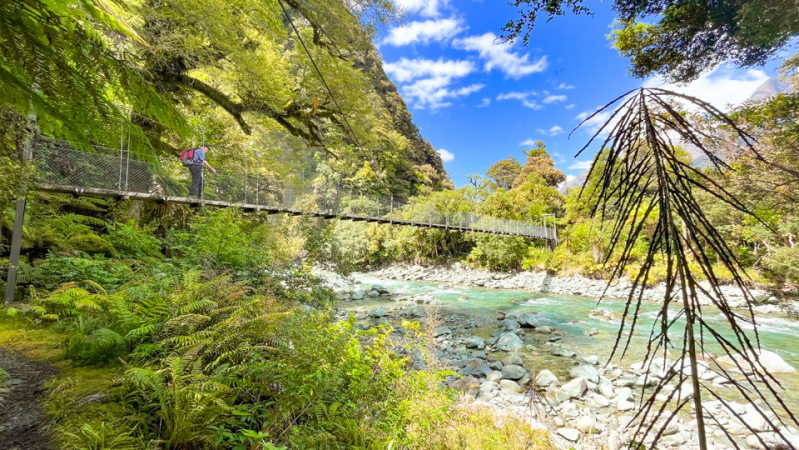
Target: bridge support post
[
  {"x": 16, "y": 247},
  {"x": 19, "y": 215}
]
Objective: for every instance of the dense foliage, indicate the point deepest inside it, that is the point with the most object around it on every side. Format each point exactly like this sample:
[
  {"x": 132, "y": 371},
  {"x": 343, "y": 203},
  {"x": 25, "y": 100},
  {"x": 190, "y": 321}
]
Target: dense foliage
[
  {"x": 218, "y": 340},
  {"x": 680, "y": 38}
]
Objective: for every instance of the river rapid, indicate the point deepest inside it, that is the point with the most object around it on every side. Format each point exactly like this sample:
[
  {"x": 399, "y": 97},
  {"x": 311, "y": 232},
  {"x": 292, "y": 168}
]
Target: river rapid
[{"x": 583, "y": 325}]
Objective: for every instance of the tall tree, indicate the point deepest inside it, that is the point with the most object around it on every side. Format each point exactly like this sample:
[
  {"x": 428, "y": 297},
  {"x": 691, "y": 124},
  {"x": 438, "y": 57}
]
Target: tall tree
[
  {"x": 689, "y": 36},
  {"x": 503, "y": 172},
  {"x": 539, "y": 163}
]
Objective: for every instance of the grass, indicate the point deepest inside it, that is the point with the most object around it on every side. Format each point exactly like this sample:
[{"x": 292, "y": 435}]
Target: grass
[{"x": 66, "y": 402}]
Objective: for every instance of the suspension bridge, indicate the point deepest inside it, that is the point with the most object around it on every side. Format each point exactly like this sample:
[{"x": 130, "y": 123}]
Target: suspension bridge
[{"x": 116, "y": 173}]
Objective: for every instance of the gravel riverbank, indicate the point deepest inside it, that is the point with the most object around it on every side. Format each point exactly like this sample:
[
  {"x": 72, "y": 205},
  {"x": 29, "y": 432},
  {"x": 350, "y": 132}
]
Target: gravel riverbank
[{"x": 585, "y": 405}]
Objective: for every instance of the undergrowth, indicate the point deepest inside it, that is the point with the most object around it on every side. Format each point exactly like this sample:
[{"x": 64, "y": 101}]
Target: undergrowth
[{"x": 223, "y": 346}]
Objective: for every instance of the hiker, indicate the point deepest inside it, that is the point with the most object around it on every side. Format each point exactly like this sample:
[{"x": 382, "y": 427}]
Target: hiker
[{"x": 194, "y": 159}]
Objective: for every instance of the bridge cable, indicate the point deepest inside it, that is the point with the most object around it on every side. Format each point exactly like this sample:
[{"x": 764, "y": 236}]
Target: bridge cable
[{"x": 319, "y": 72}]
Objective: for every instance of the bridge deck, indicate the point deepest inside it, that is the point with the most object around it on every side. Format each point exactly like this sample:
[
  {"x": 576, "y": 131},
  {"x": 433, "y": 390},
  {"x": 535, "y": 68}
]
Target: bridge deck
[{"x": 194, "y": 201}]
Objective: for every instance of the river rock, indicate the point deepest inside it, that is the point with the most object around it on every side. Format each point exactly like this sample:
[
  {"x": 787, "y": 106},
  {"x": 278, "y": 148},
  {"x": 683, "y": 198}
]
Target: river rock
[
  {"x": 587, "y": 424},
  {"x": 613, "y": 441},
  {"x": 557, "y": 396},
  {"x": 545, "y": 378},
  {"x": 624, "y": 405},
  {"x": 466, "y": 384},
  {"x": 358, "y": 294},
  {"x": 592, "y": 359},
  {"x": 591, "y": 332},
  {"x": 509, "y": 325},
  {"x": 372, "y": 293},
  {"x": 563, "y": 352},
  {"x": 476, "y": 367},
  {"x": 475, "y": 342},
  {"x": 513, "y": 372},
  {"x": 770, "y": 360},
  {"x": 569, "y": 434},
  {"x": 601, "y": 400},
  {"x": 512, "y": 359},
  {"x": 495, "y": 375},
  {"x": 544, "y": 329},
  {"x": 380, "y": 289},
  {"x": 527, "y": 320},
  {"x": 509, "y": 342},
  {"x": 510, "y": 385},
  {"x": 441, "y": 331},
  {"x": 575, "y": 388},
  {"x": 587, "y": 372},
  {"x": 378, "y": 312}
]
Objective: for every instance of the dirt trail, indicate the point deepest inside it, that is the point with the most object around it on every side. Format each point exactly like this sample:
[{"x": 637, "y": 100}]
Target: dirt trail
[{"x": 23, "y": 424}]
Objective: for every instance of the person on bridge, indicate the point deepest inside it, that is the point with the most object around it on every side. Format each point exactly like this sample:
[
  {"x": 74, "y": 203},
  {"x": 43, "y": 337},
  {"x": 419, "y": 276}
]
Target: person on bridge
[{"x": 196, "y": 170}]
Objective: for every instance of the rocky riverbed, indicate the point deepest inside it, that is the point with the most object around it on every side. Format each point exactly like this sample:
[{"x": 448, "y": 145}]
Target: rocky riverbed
[
  {"x": 500, "y": 357},
  {"x": 457, "y": 274}
]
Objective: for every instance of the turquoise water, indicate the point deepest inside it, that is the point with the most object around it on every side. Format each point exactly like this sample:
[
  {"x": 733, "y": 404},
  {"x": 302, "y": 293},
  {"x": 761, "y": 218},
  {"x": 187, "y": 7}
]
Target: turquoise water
[{"x": 573, "y": 315}]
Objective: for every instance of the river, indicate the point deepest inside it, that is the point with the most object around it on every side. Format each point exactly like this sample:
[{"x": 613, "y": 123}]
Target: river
[{"x": 573, "y": 316}]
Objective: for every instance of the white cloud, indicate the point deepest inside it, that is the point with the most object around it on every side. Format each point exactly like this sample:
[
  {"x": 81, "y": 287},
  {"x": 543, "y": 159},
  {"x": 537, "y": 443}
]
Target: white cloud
[
  {"x": 554, "y": 99},
  {"x": 445, "y": 155},
  {"x": 427, "y": 83},
  {"x": 580, "y": 165},
  {"x": 406, "y": 70},
  {"x": 554, "y": 131},
  {"x": 424, "y": 32},
  {"x": 528, "y": 143},
  {"x": 721, "y": 87},
  {"x": 500, "y": 55},
  {"x": 486, "y": 102},
  {"x": 564, "y": 87},
  {"x": 593, "y": 124},
  {"x": 433, "y": 92},
  {"x": 427, "y": 8},
  {"x": 523, "y": 97},
  {"x": 569, "y": 106}
]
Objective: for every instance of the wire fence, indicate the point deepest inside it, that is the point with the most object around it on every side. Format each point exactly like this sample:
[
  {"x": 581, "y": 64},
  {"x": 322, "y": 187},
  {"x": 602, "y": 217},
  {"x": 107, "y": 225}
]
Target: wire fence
[{"x": 117, "y": 172}]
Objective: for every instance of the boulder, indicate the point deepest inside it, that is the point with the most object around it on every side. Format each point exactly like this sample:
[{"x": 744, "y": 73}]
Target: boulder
[
  {"x": 587, "y": 372},
  {"x": 378, "y": 312},
  {"x": 563, "y": 352},
  {"x": 513, "y": 359},
  {"x": 592, "y": 359},
  {"x": 513, "y": 372},
  {"x": 624, "y": 405},
  {"x": 557, "y": 396},
  {"x": 510, "y": 385},
  {"x": 359, "y": 294},
  {"x": 466, "y": 384},
  {"x": 509, "y": 342},
  {"x": 495, "y": 376},
  {"x": 544, "y": 329},
  {"x": 509, "y": 325},
  {"x": 770, "y": 360},
  {"x": 575, "y": 388},
  {"x": 601, "y": 400},
  {"x": 440, "y": 331},
  {"x": 570, "y": 434},
  {"x": 527, "y": 320},
  {"x": 545, "y": 378},
  {"x": 475, "y": 342},
  {"x": 476, "y": 367}
]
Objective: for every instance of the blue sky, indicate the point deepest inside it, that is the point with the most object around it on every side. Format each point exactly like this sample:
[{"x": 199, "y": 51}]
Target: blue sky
[{"x": 477, "y": 101}]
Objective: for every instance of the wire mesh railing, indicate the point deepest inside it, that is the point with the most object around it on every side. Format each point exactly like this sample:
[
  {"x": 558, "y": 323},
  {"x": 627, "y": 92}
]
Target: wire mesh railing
[{"x": 117, "y": 172}]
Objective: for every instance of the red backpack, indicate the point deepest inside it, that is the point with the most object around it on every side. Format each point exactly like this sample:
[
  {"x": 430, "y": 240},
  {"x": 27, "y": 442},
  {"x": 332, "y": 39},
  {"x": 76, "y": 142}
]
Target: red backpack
[{"x": 187, "y": 157}]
